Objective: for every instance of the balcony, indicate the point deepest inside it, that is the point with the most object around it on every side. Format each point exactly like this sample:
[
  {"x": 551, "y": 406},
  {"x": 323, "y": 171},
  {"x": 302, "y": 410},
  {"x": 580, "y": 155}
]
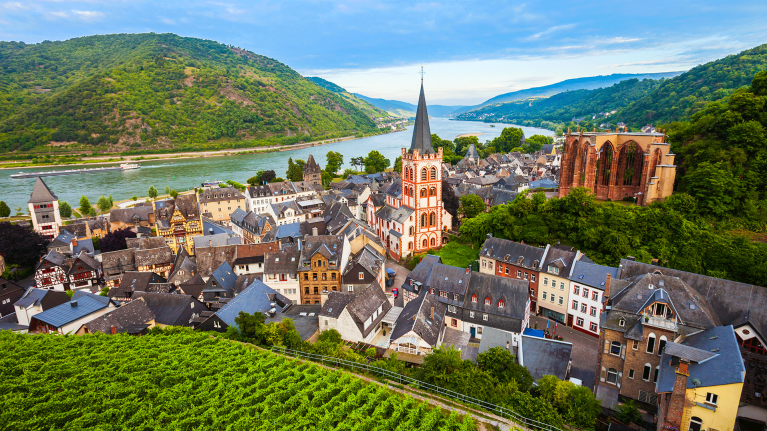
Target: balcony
[{"x": 659, "y": 322}]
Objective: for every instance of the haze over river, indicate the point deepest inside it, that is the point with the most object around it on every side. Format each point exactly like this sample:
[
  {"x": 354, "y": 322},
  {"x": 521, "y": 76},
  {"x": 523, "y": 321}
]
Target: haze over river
[{"x": 185, "y": 174}]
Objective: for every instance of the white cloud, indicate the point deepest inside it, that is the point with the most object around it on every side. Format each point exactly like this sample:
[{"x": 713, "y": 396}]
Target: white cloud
[
  {"x": 168, "y": 21},
  {"x": 14, "y": 5},
  {"x": 550, "y": 30},
  {"x": 88, "y": 15}
]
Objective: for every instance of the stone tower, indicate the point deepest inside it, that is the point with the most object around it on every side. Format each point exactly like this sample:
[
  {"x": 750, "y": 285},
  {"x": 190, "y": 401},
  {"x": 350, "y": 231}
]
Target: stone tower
[
  {"x": 44, "y": 208},
  {"x": 312, "y": 171},
  {"x": 422, "y": 183}
]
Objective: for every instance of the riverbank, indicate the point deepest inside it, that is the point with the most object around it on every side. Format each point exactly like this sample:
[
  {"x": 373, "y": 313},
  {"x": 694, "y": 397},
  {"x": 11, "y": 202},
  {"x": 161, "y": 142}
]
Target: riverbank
[
  {"x": 466, "y": 135},
  {"x": 108, "y": 160}
]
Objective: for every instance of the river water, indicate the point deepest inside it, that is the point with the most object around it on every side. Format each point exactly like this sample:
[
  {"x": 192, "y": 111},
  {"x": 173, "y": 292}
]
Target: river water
[{"x": 185, "y": 174}]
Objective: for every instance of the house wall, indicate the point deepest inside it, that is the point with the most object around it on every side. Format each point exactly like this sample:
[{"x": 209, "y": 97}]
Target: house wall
[
  {"x": 290, "y": 288},
  {"x": 423, "y": 346},
  {"x": 181, "y": 232},
  {"x": 309, "y": 285},
  {"x": 590, "y": 302},
  {"x": 345, "y": 326},
  {"x": 560, "y": 289},
  {"x": 220, "y": 210},
  {"x": 723, "y": 417},
  {"x": 73, "y": 327},
  {"x": 509, "y": 270},
  {"x": 47, "y": 220}
]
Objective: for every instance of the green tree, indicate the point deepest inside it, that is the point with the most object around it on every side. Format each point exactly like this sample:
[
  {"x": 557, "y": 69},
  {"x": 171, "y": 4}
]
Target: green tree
[
  {"x": 359, "y": 162},
  {"x": 256, "y": 179},
  {"x": 64, "y": 209},
  {"x": 398, "y": 164},
  {"x": 714, "y": 187},
  {"x": 330, "y": 336},
  {"x": 85, "y": 206},
  {"x": 103, "y": 204},
  {"x": 295, "y": 170},
  {"x": 135, "y": 198},
  {"x": 152, "y": 193},
  {"x": 376, "y": 162},
  {"x": 628, "y": 412},
  {"x": 501, "y": 365},
  {"x": 5, "y": 211},
  {"x": 268, "y": 176},
  {"x": 167, "y": 190},
  {"x": 334, "y": 162},
  {"x": 510, "y": 137},
  {"x": 251, "y": 326},
  {"x": 471, "y": 206},
  {"x": 463, "y": 143},
  {"x": 173, "y": 194}
]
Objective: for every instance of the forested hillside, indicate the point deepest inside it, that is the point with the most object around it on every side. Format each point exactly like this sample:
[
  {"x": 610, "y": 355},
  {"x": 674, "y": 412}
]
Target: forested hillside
[
  {"x": 363, "y": 105},
  {"x": 637, "y": 102},
  {"x": 158, "y": 91}
]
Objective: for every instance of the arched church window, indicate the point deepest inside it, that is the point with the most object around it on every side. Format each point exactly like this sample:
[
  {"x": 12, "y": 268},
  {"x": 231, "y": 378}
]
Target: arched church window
[{"x": 424, "y": 174}]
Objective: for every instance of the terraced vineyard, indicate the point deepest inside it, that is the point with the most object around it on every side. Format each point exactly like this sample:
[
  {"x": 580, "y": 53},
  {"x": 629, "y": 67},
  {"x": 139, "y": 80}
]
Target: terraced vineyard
[{"x": 189, "y": 381}]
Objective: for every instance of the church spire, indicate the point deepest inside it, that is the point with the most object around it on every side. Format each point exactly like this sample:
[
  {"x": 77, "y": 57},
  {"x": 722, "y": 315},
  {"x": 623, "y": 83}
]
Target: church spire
[{"x": 421, "y": 132}]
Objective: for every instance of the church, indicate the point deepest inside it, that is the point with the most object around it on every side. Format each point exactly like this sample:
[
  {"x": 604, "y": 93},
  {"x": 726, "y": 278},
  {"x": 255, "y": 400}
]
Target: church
[{"x": 413, "y": 219}]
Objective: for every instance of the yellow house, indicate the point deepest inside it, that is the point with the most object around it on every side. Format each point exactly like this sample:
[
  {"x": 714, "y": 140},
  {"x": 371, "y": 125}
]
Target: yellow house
[
  {"x": 219, "y": 203},
  {"x": 178, "y": 221},
  {"x": 554, "y": 283},
  {"x": 700, "y": 382}
]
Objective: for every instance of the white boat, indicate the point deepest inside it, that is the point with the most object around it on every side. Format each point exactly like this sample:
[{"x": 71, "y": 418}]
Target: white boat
[{"x": 129, "y": 166}]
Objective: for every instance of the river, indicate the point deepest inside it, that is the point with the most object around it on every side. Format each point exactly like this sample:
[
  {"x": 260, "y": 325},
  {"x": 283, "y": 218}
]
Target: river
[{"x": 185, "y": 174}]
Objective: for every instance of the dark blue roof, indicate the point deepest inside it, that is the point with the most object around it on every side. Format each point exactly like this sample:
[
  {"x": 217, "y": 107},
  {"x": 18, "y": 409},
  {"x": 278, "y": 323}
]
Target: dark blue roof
[
  {"x": 533, "y": 332},
  {"x": 592, "y": 275},
  {"x": 723, "y": 369},
  {"x": 31, "y": 296},
  {"x": 225, "y": 277},
  {"x": 544, "y": 184},
  {"x": 256, "y": 298},
  {"x": 81, "y": 305},
  {"x": 289, "y": 230}
]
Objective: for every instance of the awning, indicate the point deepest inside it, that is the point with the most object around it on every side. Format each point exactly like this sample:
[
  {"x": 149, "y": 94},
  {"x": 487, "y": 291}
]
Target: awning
[{"x": 392, "y": 316}]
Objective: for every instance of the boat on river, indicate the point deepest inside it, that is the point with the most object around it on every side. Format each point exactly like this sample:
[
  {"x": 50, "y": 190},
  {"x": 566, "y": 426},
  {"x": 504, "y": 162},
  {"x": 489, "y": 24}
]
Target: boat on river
[{"x": 122, "y": 167}]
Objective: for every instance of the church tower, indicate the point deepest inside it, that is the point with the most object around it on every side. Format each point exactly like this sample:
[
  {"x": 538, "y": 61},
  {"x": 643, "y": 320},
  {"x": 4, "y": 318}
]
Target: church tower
[
  {"x": 44, "y": 208},
  {"x": 422, "y": 185},
  {"x": 312, "y": 172}
]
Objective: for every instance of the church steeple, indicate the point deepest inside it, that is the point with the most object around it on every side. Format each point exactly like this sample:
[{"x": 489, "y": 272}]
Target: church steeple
[{"x": 421, "y": 132}]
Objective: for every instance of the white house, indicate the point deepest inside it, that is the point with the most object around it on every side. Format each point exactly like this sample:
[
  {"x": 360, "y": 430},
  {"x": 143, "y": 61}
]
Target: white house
[
  {"x": 587, "y": 289},
  {"x": 281, "y": 274},
  {"x": 70, "y": 316},
  {"x": 35, "y": 301},
  {"x": 356, "y": 318},
  {"x": 420, "y": 327}
]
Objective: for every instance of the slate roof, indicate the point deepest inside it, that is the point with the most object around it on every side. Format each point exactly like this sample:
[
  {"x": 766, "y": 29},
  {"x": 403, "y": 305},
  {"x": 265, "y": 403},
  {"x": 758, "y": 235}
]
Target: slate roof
[
  {"x": 134, "y": 281},
  {"x": 79, "y": 230},
  {"x": 259, "y": 191},
  {"x": 421, "y": 272},
  {"x": 545, "y": 357},
  {"x": 82, "y": 304},
  {"x": 450, "y": 279},
  {"x": 186, "y": 204},
  {"x": 192, "y": 287},
  {"x": 544, "y": 184},
  {"x": 34, "y": 296},
  {"x": 283, "y": 262},
  {"x": 83, "y": 245},
  {"x": 395, "y": 189},
  {"x": 510, "y": 252},
  {"x": 41, "y": 193},
  {"x": 87, "y": 260},
  {"x": 154, "y": 256},
  {"x": 126, "y": 215},
  {"x": 311, "y": 167},
  {"x": 716, "y": 360},
  {"x": 55, "y": 258},
  {"x": 733, "y": 303},
  {"x": 168, "y": 307},
  {"x": 145, "y": 243},
  {"x": 225, "y": 280},
  {"x": 514, "y": 293},
  {"x": 63, "y": 239},
  {"x": 290, "y": 230},
  {"x": 256, "y": 298},
  {"x": 221, "y": 194},
  {"x": 362, "y": 306},
  {"x": 330, "y": 246},
  {"x": 421, "y": 132},
  {"x": 472, "y": 153},
  {"x": 282, "y": 188},
  {"x": 336, "y": 303},
  {"x": 210, "y": 258},
  {"x": 368, "y": 258},
  {"x": 216, "y": 240},
  {"x": 118, "y": 261},
  {"x": 561, "y": 258},
  {"x": 593, "y": 275},
  {"x": 123, "y": 318},
  {"x": 416, "y": 316}
]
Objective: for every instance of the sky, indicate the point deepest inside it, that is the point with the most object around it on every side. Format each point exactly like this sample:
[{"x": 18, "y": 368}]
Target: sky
[{"x": 470, "y": 51}]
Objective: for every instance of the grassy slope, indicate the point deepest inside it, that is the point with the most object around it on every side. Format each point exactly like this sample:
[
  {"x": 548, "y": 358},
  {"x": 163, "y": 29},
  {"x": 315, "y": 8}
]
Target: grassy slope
[{"x": 153, "y": 91}]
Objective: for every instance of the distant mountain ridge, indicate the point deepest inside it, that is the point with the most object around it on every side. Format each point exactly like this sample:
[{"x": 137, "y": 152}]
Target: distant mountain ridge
[{"x": 405, "y": 109}]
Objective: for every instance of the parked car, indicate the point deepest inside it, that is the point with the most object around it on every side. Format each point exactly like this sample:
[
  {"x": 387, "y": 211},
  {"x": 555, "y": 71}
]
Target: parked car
[{"x": 390, "y": 275}]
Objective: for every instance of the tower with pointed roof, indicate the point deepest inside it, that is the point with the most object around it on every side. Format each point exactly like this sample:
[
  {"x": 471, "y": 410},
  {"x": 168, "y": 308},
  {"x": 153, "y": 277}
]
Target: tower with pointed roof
[
  {"x": 312, "y": 172},
  {"x": 44, "y": 208}
]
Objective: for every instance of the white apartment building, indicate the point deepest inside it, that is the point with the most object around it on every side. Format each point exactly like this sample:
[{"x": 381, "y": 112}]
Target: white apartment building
[
  {"x": 587, "y": 288},
  {"x": 281, "y": 274}
]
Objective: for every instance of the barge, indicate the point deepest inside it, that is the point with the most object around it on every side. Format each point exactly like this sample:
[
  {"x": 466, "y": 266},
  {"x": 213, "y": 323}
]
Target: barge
[{"x": 122, "y": 167}]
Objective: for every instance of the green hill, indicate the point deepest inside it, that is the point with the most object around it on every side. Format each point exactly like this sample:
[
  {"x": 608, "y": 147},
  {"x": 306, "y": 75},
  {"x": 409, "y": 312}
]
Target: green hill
[
  {"x": 359, "y": 103},
  {"x": 149, "y": 92},
  {"x": 637, "y": 102},
  {"x": 187, "y": 381}
]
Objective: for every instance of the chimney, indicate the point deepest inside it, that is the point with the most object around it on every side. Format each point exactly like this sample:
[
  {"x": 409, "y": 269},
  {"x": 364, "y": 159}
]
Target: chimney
[
  {"x": 73, "y": 303},
  {"x": 74, "y": 242},
  {"x": 210, "y": 243},
  {"x": 654, "y": 262},
  {"x": 210, "y": 231},
  {"x": 314, "y": 231},
  {"x": 522, "y": 242},
  {"x": 432, "y": 313},
  {"x": 468, "y": 270},
  {"x": 607, "y": 289},
  {"x": 676, "y": 402},
  {"x": 631, "y": 258},
  {"x": 113, "y": 330}
]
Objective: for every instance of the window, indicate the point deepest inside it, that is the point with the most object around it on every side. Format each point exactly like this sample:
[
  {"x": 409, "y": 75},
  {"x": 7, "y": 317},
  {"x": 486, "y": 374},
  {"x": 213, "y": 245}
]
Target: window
[
  {"x": 695, "y": 423},
  {"x": 455, "y": 297},
  {"x": 442, "y": 294},
  {"x": 577, "y": 290},
  {"x": 361, "y": 275},
  {"x": 519, "y": 274},
  {"x": 487, "y": 300},
  {"x": 433, "y": 173},
  {"x": 646, "y": 372},
  {"x": 532, "y": 278},
  {"x": 433, "y": 291},
  {"x": 423, "y": 174},
  {"x": 595, "y": 296},
  {"x": 484, "y": 263},
  {"x": 551, "y": 298},
  {"x": 423, "y": 193},
  {"x": 585, "y": 293},
  {"x": 593, "y": 327},
  {"x": 507, "y": 270},
  {"x": 651, "y": 343},
  {"x": 635, "y": 345},
  {"x": 711, "y": 398},
  {"x": 575, "y": 305},
  {"x": 661, "y": 345},
  {"x": 453, "y": 323},
  {"x": 545, "y": 281},
  {"x": 474, "y": 298},
  {"x": 584, "y": 307},
  {"x": 544, "y": 296},
  {"x": 471, "y": 314},
  {"x": 451, "y": 308},
  {"x": 593, "y": 311},
  {"x": 579, "y": 321},
  {"x": 501, "y": 304},
  {"x": 621, "y": 322},
  {"x": 615, "y": 348},
  {"x": 561, "y": 285},
  {"x": 525, "y": 276},
  {"x": 561, "y": 300},
  {"x": 612, "y": 376},
  {"x": 655, "y": 376},
  {"x": 484, "y": 317},
  {"x": 631, "y": 374},
  {"x": 350, "y": 288}
]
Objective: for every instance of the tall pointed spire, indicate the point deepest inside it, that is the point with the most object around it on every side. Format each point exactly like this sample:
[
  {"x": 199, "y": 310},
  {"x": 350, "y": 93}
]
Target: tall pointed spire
[
  {"x": 421, "y": 132},
  {"x": 41, "y": 193}
]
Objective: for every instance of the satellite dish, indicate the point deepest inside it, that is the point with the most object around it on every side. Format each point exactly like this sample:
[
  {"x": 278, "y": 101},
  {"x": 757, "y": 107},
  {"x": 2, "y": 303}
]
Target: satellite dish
[{"x": 696, "y": 382}]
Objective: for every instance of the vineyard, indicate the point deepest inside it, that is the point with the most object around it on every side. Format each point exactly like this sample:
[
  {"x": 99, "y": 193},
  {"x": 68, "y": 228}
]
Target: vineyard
[{"x": 188, "y": 381}]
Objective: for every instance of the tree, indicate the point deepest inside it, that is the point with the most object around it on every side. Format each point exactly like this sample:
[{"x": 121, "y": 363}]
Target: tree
[
  {"x": 173, "y": 194},
  {"x": 135, "y": 198},
  {"x": 628, "y": 412},
  {"x": 64, "y": 209},
  {"x": 376, "y": 162},
  {"x": 295, "y": 170},
  {"x": 500, "y": 364},
  {"x": 251, "y": 326},
  {"x": 536, "y": 143},
  {"x": 21, "y": 245},
  {"x": 327, "y": 178},
  {"x": 152, "y": 193},
  {"x": 358, "y": 162},
  {"x": 714, "y": 187},
  {"x": 167, "y": 190},
  {"x": 85, "y": 206},
  {"x": 334, "y": 162},
  {"x": 471, "y": 206},
  {"x": 331, "y": 336},
  {"x": 256, "y": 179},
  {"x": 463, "y": 143},
  {"x": 450, "y": 201},
  {"x": 510, "y": 137},
  {"x": 115, "y": 240},
  {"x": 103, "y": 204},
  {"x": 5, "y": 211},
  {"x": 398, "y": 164}
]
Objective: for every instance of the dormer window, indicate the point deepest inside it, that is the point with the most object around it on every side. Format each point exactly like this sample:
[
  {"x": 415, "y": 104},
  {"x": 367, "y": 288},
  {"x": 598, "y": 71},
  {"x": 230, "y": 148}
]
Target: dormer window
[
  {"x": 474, "y": 298},
  {"x": 621, "y": 322},
  {"x": 519, "y": 260},
  {"x": 507, "y": 257},
  {"x": 501, "y": 304},
  {"x": 487, "y": 300}
]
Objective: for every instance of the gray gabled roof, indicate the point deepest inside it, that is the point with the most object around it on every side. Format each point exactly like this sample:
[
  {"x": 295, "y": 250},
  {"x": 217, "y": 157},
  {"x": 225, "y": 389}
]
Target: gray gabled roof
[
  {"x": 421, "y": 132},
  {"x": 30, "y": 297},
  {"x": 335, "y": 304},
  {"x": 592, "y": 275},
  {"x": 133, "y": 313},
  {"x": 224, "y": 277},
  {"x": 256, "y": 298},
  {"x": 416, "y": 316},
  {"x": 81, "y": 305},
  {"x": 545, "y": 357},
  {"x": 41, "y": 193}
]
